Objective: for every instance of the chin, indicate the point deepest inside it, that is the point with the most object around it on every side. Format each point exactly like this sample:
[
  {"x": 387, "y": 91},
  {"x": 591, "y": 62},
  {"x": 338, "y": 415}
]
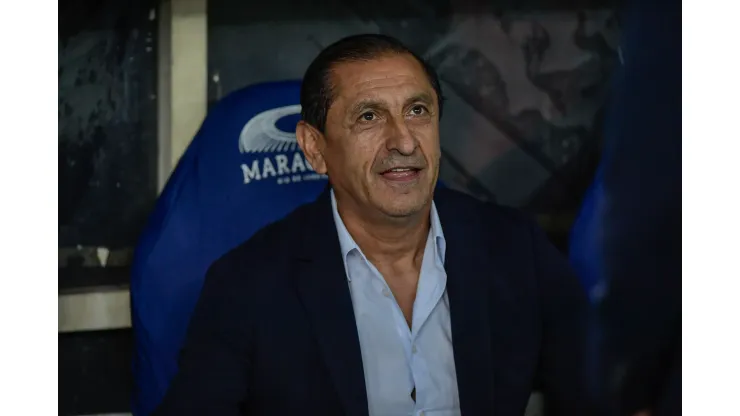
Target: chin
[
  {"x": 399, "y": 206},
  {"x": 401, "y": 198}
]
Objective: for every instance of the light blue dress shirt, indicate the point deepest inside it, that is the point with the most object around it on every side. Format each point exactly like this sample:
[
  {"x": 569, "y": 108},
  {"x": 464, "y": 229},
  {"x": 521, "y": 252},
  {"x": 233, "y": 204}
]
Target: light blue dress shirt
[{"x": 397, "y": 359}]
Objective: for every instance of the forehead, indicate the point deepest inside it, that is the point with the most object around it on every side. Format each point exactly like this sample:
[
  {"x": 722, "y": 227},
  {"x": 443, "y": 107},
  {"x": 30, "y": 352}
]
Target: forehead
[{"x": 389, "y": 78}]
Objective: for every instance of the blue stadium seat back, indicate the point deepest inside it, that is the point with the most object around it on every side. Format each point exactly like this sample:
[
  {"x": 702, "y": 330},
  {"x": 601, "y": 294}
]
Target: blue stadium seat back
[
  {"x": 626, "y": 242},
  {"x": 638, "y": 180},
  {"x": 586, "y": 241},
  {"x": 242, "y": 171}
]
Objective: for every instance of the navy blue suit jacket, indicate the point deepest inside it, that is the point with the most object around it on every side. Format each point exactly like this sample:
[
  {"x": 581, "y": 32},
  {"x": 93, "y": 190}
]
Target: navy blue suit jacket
[{"x": 274, "y": 330}]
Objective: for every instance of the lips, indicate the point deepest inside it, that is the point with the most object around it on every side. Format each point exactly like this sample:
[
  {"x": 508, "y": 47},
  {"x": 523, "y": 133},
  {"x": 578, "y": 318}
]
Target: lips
[{"x": 401, "y": 173}]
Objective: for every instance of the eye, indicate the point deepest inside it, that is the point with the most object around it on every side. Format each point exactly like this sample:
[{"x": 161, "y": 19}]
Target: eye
[
  {"x": 418, "y": 110},
  {"x": 368, "y": 116}
]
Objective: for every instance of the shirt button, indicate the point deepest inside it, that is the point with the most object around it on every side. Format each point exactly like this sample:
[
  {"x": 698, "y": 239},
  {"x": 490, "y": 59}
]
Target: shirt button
[
  {"x": 421, "y": 413},
  {"x": 413, "y": 349},
  {"x": 386, "y": 292}
]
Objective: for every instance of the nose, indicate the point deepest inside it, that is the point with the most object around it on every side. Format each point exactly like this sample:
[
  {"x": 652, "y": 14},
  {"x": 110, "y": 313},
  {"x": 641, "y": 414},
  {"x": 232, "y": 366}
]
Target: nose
[{"x": 400, "y": 138}]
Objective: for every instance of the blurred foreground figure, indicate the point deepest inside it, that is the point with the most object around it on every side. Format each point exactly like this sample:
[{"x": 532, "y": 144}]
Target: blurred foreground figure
[
  {"x": 628, "y": 238},
  {"x": 384, "y": 296}
]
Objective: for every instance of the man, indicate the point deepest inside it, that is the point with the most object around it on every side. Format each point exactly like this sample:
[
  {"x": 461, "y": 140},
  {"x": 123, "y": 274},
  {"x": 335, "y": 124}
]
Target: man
[{"x": 383, "y": 297}]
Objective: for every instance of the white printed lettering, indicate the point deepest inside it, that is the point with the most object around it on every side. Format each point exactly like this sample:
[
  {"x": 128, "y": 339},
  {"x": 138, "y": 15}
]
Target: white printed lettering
[
  {"x": 267, "y": 168},
  {"x": 251, "y": 173},
  {"x": 282, "y": 162}
]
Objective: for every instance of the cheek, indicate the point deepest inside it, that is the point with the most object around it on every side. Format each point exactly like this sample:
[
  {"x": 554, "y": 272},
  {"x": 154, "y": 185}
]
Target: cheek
[
  {"x": 365, "y": 150},
  {"x": 355, "y": 160},
  {"x": 428, "y": 138},
  {"x": 365, "y": 157},
  {"x": 424, "y": 128}
]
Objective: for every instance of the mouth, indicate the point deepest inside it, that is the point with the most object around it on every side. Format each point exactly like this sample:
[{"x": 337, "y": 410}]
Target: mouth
[{"x": 401, "y": 174}]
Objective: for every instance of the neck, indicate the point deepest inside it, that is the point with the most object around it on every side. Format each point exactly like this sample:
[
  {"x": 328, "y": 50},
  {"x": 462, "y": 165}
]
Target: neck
[{"x": 388, "y": 239}]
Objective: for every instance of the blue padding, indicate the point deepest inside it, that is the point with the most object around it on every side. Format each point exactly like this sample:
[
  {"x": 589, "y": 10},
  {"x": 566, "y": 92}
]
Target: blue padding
[
  {"x": 625, "y": 243},
  {"x": 638, "y": 182},
  {"x": 587, "y": 240},
  {"x": 242, "y": 171}
]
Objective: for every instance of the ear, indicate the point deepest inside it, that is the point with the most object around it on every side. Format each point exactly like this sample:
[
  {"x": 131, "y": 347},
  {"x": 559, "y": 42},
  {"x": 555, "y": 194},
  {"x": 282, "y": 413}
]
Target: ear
[{"x": 312, "y": 143}]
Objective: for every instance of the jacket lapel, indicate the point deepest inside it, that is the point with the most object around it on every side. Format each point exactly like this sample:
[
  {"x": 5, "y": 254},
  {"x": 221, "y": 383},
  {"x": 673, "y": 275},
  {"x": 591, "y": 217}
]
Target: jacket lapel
[
  {"x": 322, "y": 287},
  {"x": 468, "y": 266}
]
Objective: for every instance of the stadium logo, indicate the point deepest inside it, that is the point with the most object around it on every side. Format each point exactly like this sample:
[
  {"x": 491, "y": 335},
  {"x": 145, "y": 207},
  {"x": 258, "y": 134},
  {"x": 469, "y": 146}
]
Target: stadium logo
[{"x": 270, "y": 136}]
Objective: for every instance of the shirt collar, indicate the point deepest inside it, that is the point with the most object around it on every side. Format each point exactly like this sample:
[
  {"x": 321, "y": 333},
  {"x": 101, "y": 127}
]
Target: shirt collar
[{"x": 347, "y": 243}]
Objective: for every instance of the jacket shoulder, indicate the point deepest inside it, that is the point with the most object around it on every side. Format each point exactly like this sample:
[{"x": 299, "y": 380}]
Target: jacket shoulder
[
  {"x": 464, "y": 207},
  {"x": 266, "y": 245}
]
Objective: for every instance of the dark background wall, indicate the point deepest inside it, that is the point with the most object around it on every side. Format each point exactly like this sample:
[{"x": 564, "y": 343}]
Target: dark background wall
[
  {"x": 107, "y": 120},
  {"x": 107, "y": 178}
]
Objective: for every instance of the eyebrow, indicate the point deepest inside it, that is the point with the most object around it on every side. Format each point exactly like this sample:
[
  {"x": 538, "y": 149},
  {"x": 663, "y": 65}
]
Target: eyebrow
[
  {"x": 374, "y": 104},
  {"x": 366, "y": 104},
  {"x": 420, "y": 97}
]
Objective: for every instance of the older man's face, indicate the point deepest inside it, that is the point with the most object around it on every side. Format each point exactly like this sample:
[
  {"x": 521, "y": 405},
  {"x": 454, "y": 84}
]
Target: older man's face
[{"x": 381, "y": 148}]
